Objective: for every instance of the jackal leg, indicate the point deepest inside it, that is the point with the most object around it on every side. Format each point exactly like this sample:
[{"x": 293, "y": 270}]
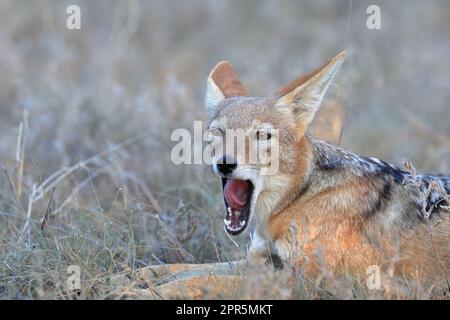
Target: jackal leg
[
  {"x": 170, "y": 272},
  {"x": 157, "y": 275},
  {"x": 200, "y": 287}
]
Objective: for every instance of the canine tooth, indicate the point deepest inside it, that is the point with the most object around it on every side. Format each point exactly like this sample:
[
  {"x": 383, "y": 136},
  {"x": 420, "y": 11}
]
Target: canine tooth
[
  {"x": 229, "y": 210},
  {"x": 227, "y": 222},
  {"x": 242, "y": 223}
]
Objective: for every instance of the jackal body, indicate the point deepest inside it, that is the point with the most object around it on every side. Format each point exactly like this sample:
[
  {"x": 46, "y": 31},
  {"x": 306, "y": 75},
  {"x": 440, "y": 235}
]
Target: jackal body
[{"x": 326, "y": 207}]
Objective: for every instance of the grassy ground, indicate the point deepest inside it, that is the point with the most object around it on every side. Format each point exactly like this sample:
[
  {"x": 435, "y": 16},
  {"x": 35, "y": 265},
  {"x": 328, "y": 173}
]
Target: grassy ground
[{"x": 86, "y": 116}]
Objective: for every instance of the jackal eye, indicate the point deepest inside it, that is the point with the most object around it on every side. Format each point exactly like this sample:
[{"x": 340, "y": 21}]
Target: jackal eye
[{"x": 262, "y": 135}]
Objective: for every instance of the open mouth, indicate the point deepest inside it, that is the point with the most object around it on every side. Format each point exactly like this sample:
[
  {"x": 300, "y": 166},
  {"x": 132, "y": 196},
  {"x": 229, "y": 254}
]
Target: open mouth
[{"x": 237, "y": 195}]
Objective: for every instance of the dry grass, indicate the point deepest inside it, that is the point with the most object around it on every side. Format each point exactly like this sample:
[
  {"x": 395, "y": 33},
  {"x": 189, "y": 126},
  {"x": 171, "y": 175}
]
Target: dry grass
[{"x": 86, "y": 116}]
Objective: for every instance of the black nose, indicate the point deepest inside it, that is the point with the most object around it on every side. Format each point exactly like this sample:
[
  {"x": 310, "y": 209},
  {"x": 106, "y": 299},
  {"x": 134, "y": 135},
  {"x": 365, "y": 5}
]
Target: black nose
[{"x": 226, "y": 165}]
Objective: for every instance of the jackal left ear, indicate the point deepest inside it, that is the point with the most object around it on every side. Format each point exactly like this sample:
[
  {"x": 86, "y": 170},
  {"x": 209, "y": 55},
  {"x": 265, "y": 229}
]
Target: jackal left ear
[
  {"x": 304, "y": 95},
  {"x": 223, "y": 82}
]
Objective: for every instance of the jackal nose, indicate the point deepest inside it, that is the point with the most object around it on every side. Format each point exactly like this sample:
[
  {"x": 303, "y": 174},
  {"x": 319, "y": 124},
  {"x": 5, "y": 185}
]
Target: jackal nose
[{"x": 226, "y": 164}]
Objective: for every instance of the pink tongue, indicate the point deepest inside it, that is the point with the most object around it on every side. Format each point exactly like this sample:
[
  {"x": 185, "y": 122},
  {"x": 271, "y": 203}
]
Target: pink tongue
[{"x": 236, "y": 193}]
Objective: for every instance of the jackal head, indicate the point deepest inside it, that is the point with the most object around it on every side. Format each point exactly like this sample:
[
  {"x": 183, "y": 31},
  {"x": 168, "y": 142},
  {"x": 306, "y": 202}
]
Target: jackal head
[{"x": 258, "y": 171}]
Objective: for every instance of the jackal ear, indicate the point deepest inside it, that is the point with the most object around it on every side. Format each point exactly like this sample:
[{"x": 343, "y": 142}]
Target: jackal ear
[
  {"x": 223, "y": 82},
  {"x": 304, "y": 95}
]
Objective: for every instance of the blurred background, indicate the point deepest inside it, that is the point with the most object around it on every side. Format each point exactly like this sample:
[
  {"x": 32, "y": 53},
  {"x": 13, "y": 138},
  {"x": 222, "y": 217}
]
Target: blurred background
[{"x": 86, "y": 117}]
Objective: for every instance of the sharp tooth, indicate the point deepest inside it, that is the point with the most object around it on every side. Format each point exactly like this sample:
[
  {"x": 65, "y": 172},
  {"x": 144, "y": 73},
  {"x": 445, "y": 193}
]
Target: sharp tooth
[
  {"x": 229, "y": 210},
  {"x": 227, "y": 222},
  {"x": 242, "y": 223}
]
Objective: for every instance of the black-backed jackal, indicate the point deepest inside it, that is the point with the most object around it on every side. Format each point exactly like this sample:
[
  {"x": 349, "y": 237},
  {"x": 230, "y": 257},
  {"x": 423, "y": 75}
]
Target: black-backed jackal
[{"x": 357, "y": 211}]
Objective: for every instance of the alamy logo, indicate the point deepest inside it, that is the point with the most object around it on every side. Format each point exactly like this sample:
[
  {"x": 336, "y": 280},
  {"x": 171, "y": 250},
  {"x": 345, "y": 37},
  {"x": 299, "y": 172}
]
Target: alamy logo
[
  {"x": 73, "y": 21},
  {"x": 73, "y": 282},
  {"x": 373, "y": 277},
  {"x": 247, "y": 146},
  {"x": 374, "y": 19}
]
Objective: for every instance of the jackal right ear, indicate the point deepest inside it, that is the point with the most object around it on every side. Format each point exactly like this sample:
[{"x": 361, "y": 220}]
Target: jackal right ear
[
  {"x": 223, "y": 82},
  {"x": 304, "y": 95}
]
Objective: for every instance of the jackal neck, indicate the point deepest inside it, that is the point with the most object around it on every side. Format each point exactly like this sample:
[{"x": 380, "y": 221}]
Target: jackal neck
[
  {"x": 310, "y": 156},
  {"x": 319, "y": 165},
  {"x": 297, "y": 174}
]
